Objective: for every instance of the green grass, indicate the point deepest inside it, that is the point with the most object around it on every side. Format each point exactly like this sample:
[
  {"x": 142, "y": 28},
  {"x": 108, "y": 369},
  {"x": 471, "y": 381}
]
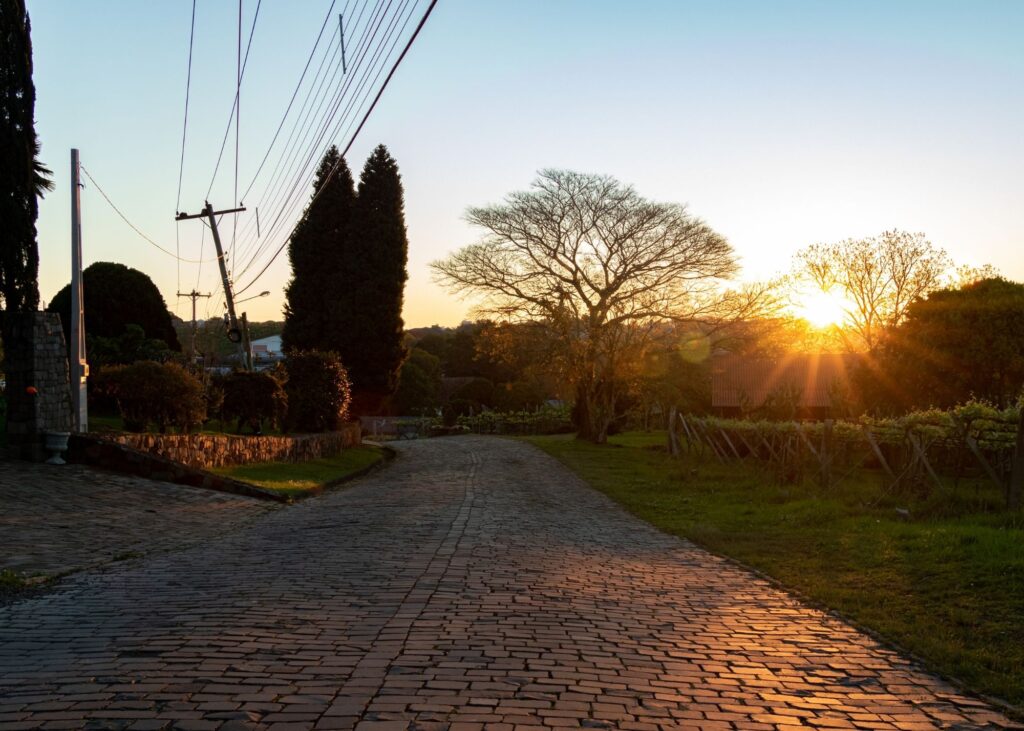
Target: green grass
[
  {"x": 947, "y": 584},
  {"x": 11, "y": 580},
  {"x": 300, "y": 479}
]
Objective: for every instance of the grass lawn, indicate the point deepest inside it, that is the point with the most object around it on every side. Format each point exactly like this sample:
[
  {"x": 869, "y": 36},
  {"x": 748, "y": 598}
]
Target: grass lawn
[
  {"x": 946, "y": 584},
  {"x": 299, "y": 479}
]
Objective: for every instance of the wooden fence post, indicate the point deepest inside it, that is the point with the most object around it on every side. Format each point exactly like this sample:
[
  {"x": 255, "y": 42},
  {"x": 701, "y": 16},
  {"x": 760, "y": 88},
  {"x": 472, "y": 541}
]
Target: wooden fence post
[
  {"x": 826, "y": 454},
  {"x": 1016, "y": 487},
  {"x": 673, "y": 439}
]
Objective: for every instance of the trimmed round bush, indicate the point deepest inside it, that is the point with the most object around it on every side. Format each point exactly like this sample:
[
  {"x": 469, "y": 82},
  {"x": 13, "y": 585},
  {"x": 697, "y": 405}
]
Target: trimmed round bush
[
  {"x": 253, "y": 398},
  {"x": 318, "y": 391},
  {"x": 162, "y": 394}
]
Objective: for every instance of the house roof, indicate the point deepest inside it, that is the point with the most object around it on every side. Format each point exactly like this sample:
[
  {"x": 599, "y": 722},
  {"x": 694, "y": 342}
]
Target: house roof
[{"x": 740, "y": 382}]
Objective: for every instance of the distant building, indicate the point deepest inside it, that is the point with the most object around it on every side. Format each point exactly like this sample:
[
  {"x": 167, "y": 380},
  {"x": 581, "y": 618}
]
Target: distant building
[
  {"x": 267, "y": 350},
  {"x": 812, "y": 386}
]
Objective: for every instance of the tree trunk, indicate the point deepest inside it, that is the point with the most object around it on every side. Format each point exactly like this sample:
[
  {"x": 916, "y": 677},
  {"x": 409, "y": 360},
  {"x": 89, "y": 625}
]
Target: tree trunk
[{"x": 593, "y": 412}]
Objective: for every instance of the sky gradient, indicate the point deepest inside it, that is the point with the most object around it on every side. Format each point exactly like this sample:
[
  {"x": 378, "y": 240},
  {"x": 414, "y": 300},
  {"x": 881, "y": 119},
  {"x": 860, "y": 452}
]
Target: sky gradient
[{"x": 780, "y": 123}]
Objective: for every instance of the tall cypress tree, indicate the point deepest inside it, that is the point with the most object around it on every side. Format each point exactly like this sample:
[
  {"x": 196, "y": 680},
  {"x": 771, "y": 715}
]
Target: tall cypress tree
[
  {"x": 316, "y": 251},
  {"x": 372, "y": 333},
  {"x": 22, "y": 178}
]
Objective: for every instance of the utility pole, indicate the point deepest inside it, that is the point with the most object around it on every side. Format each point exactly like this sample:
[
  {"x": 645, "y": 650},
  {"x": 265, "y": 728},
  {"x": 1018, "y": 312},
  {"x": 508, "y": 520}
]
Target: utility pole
[
  {"x": 193, "y": 295},
  {"x": 234, "y": 331},
  {"x": 79, "y": 367}
]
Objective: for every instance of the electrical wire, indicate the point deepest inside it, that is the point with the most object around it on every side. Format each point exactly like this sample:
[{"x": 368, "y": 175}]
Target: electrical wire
[
  {"x": 234, "y": 105},
  {"x": 293, "y": 200},
  {"x": 352, "y": 140},
  {"x": 306, "y": 122},
  {"x": 301, "y": 173},
  {"x": 238, "y": 117},
  {"x": 291, "y": 101},
  {"x": 132, "y": 225},
  {"x": 184, "y": 130}
]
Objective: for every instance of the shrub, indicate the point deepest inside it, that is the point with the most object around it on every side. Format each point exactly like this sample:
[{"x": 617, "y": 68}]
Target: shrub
[
  {"x": 104, "y": 387},
  {"x": 253, "y": 398},
  {"x": 318, "y": 391},
  {"x": 164, "y": 394}
]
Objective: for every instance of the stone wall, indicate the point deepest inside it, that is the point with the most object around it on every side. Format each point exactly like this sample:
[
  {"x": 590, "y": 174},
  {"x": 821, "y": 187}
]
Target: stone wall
[
  {"x": 37, "y": 360},
  {"x": 222, "y": 450}
]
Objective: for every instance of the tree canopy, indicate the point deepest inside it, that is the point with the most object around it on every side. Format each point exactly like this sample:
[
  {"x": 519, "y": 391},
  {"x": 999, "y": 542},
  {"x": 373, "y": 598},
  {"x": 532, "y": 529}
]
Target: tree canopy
[
  {"x": 955, "y": 345},
  {"x": 22, "y": 178},
  {"x": 598, "y": 266},
  {"x": 319, "y": 252},
  {"x": 116, "y": 296},
  {"x": 880, "y": 278},
  {"x": 348, "y": 275}
]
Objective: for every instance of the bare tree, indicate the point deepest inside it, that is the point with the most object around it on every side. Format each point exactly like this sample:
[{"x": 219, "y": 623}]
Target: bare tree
[
  {"x": 880, "y": 277},
  {"x": 599, "y": 267}
]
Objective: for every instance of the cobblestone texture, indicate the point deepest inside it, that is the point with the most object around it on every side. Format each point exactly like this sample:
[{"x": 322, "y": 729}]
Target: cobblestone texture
[
  {"x": 56, "y": 519},
  {"x": 474, "y": 584}
]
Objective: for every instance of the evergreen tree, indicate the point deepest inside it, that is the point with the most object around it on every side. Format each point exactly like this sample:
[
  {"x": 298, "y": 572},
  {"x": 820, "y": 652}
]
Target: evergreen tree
[
  {"x": 22, "y": 177},
  {"x": 117, "y": 296},
  {"x": 369, "y": 320},
  {"x": 316, "y": 252}
]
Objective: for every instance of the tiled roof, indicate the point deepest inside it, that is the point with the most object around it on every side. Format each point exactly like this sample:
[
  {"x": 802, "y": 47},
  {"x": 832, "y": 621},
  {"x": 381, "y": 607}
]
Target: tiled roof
[{"x": 737, "y": 381}]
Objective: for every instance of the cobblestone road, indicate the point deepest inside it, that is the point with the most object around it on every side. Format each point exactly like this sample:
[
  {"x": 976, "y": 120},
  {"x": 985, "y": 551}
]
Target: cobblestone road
[
  {"x": 473, "y": 584},
  {"x": 56, "y": 519}
]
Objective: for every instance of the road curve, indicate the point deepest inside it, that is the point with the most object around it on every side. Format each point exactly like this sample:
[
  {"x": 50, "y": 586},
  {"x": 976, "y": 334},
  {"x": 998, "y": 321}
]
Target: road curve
[{"x": 474, "y": 583}]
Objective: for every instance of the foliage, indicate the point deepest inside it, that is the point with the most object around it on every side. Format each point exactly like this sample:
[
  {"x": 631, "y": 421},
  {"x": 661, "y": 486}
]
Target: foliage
[
  {"x": 253, "y": 398},
  {"x": 318, "y": 391},
  {"x": 947, "y": 583},
  {"x": 478, "y": 393},
  {"x": 116, "y": 296},
  {"x": 104, "y": 389},
  {"x": 303, "y": 479},
  {"x": 595, "y": 267},
  {"x": 162, "y": 394},
  {"x": 348, "y": 265},
  {"x": 546, "y": 420},
  {"x": 419, "y": 385},
  {"x": 369, "y": 322},
  {"x": 955, "y": 345},
  {"x": 879, "y": 276},
  {"x": 22, "y": 177},
  {"x": 317, "y": 251},
  {"x": 130, "y": 346}
]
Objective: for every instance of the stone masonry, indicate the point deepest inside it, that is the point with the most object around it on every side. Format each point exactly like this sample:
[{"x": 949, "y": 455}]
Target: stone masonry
[
  {"x": 222, "y": 450},
  {"x": 36, "y": 359}
]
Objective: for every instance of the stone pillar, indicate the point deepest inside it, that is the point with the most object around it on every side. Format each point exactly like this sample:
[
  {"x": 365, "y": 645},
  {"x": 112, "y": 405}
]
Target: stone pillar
[{"x": 38, "y": 387}]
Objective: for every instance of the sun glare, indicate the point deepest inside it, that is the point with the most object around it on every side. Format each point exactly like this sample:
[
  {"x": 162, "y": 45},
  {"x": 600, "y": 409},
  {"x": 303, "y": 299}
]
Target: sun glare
[{"x": 822, "y": 309}]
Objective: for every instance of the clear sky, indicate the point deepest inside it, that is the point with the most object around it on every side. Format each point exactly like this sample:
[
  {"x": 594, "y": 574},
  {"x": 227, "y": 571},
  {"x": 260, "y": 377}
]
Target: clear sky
[{"x": 780, "y": 123}]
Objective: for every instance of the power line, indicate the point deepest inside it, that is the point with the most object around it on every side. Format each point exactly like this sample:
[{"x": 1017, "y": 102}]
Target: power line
[
  {"x": 341, "y": 157},
  {"x": 307, "y": 160},
  {"x": 238, "y": 116},
  {"x": 293, "y": 198},
  {"x": 188, "y": 87},
  {"x": 234, "y": 105},
  {"x": 132, "y": 225},
  {"x": 307, "y": 120},
  {"x": 184, "y": 129},
  {"x": 291, "y": 201},
  {"x": 291, "y": 101}
]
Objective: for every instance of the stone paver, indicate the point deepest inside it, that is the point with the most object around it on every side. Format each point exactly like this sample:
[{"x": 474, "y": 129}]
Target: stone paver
[
  {"x": 474, "y": 584},
  {"x": 56, "y": 519}
]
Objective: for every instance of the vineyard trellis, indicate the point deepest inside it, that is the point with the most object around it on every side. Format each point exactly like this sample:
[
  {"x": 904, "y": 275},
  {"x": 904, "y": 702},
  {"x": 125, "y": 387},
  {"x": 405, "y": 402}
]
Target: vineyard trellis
[{"x": 915, "y": 451}]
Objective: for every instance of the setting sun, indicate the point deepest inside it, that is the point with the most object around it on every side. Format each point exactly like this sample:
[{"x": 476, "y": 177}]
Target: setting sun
[{"x": 822, "y": 309}]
